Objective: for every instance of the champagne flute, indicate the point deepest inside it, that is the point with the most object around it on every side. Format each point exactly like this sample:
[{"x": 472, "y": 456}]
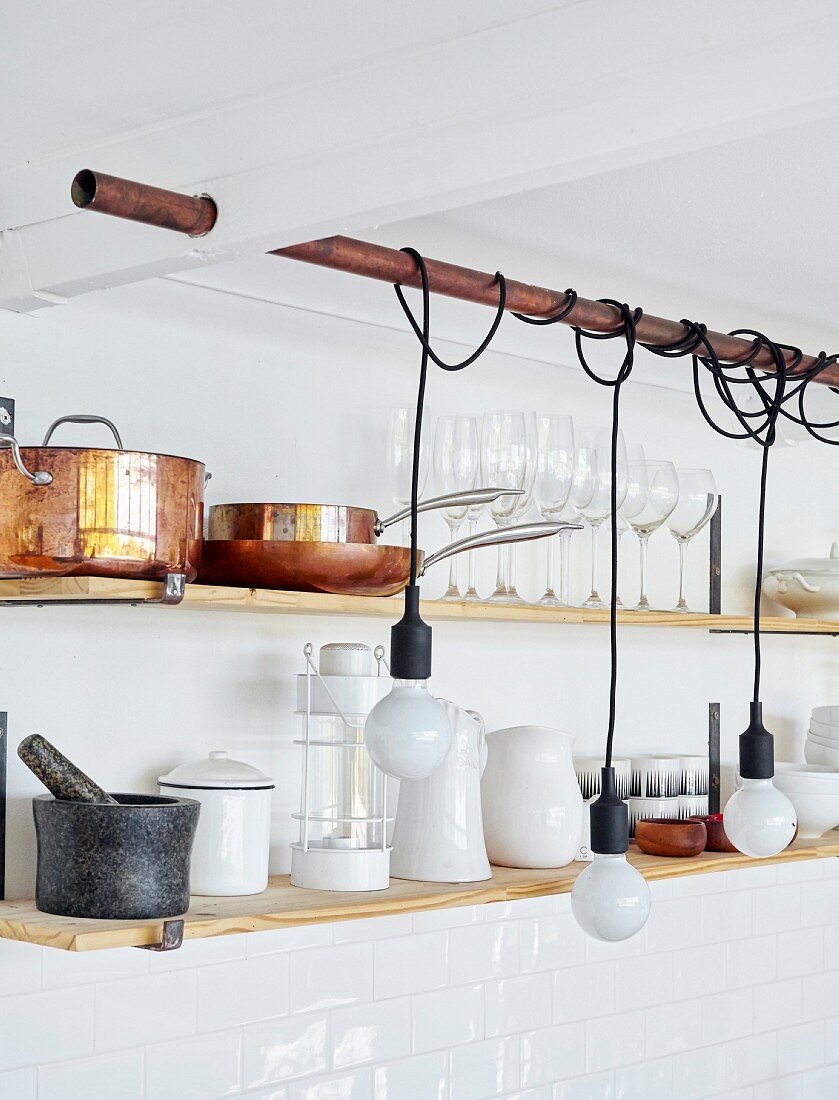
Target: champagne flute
[
  {"x": 652, "y": 494},
  {"x": 591, "y": 488},
  {"x": 696, "y": 505},
  {"x": 504, "y": 463},
  {"x": 552, "y": 484},
  {"x": 456, "y": 461},
  {"x": 400, "y": 456}
]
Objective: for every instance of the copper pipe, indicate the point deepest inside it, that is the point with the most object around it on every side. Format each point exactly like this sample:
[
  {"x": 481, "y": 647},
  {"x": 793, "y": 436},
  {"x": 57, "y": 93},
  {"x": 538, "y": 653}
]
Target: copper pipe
[
  {"x": 153, "y": 206},
  {"x": 193, "y": 215},
  {"x": 392, "y": 266}
]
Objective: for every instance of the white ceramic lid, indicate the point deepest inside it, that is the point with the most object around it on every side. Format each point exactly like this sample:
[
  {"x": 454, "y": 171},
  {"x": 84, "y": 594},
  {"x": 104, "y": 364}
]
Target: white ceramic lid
[
  {"x": 217, "y": 772},
  {"x": 812, "y": 565}
]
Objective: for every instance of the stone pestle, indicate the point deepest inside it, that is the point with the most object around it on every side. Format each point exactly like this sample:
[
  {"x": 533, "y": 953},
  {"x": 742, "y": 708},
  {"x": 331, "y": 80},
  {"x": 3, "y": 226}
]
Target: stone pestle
[{"x": 58, "y": 774}]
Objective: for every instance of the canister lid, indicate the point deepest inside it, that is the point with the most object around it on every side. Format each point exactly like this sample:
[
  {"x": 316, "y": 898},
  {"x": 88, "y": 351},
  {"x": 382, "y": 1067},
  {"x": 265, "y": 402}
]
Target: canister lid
[
  {"x": 217, "y": 772},
  {"x": 346, "y": 659}
]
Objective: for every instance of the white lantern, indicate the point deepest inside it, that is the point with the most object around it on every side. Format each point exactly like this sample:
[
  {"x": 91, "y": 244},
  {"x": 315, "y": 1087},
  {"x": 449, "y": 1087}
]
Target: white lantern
[{"x": 343, "y": 808}]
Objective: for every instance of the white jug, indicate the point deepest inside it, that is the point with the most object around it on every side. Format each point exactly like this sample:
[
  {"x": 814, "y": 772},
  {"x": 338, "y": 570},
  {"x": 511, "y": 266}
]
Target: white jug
[
  {"x": 438, "y": 835},
  {"x": 531, "y": 798}
]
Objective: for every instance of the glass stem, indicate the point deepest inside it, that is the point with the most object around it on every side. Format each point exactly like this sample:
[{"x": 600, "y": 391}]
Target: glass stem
[
  {"x": 683, "y": 548},
  {"x": 454, "y": 527},
  {"x": 564, "y": 565},
  {"x": 501, "y": 575},
  {"x": 511, "y": 568},
  {"x": 549, "y": 586},
  {"x": 642, "y": 599},
  {"x": 595, "y": 531},
  {"x": 471, "y": 591}
]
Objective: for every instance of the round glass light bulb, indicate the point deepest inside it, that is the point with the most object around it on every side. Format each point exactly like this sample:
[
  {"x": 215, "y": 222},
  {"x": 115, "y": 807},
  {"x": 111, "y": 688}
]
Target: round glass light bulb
[
  {"x": 759, "y": 820},
  {"x": 610, "y": 899},
  {"x": 408, "y": 733}
]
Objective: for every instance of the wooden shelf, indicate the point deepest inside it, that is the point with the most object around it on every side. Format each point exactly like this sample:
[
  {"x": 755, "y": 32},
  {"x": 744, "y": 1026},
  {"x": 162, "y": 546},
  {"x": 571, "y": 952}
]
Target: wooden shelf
[
  {"x": 284, "y": 906},
  {"x": 47, "y": 591}
]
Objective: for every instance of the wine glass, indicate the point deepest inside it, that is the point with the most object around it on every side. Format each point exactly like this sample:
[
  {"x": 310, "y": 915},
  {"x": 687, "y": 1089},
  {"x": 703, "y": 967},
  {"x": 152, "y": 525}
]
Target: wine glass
[
  {"x": 591, "y": 488},
  {"x": 400, "y": 455},
  {"x": 522, "y": 505},
  {"x": 506, "y": 463},
  {"x": 552, "y": 484},
  {"x": 651, "y": 495},
  {"x": 456, "y": 461},
  {"x": 696, "y": 505}
]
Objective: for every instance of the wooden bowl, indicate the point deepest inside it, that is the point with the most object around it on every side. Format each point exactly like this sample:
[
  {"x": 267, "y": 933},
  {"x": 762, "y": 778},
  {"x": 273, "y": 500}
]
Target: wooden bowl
[
  {"x": 664, "y": 836},
  {"x": 717, "y": 840}
]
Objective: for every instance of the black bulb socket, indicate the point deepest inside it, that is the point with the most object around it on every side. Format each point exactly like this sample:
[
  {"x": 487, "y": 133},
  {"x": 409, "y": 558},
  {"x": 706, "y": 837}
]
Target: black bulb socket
[
  {"x": 609, "y": 818},
  {"x": 410, "y": 641},
  {"x": 757, "y": 747}
]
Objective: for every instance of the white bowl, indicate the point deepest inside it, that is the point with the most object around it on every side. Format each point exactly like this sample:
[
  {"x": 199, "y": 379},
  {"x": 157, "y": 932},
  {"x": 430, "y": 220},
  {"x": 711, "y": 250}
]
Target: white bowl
[
  {"x": 808, "y": 778},
  {"x": 826, "y": 729},
  {"x": 816, "y": 813},
  {"x": 814, "y": 753},
  {"x": 819, "y": 740},
  {"x": 827, "y": 715}
]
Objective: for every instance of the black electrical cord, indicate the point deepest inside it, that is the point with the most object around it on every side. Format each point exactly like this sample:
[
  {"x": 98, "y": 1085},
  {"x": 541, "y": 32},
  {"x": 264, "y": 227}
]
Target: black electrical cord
[
  {"x": 629, "y": 319},
  {"x": 764, "y": 434},
  {"x": 423, "y": 334}
]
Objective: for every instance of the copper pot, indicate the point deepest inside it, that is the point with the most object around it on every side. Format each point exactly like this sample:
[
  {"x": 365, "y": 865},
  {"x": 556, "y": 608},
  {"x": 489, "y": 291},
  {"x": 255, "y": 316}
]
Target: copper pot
[
  {"x": 71, "y": 511},
  {"x": 326, "y": 522}
]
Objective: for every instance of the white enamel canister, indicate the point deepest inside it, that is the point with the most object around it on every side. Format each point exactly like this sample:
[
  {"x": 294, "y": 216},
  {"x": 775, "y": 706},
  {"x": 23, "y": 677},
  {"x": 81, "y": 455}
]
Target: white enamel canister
[{"x": 230, "y": 853}]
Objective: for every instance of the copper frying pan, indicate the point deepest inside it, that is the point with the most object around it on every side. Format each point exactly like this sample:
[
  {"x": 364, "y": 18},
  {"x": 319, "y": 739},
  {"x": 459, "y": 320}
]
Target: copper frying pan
[
  {"x": 342, "y": 568},
  {"x": 332, "y": 523}
]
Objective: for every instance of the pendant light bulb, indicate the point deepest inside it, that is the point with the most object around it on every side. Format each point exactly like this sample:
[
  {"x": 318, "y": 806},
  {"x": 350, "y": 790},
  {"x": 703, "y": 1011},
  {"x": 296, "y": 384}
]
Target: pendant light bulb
[
  {"x": 610, "y": 900},
  {"x": 408, "y": 733},
  {"x": 758, "y": 819}
]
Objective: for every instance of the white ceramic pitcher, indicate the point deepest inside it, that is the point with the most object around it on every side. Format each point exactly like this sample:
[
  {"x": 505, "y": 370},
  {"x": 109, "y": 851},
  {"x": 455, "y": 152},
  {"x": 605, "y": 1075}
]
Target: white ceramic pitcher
[
  {"x": 439, "y": 835},
  {"x": 531, "y": 798}
]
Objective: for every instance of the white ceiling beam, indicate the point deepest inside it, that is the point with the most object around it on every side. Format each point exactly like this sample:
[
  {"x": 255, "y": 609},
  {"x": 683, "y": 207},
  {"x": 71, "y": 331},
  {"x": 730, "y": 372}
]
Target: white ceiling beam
[{"x": 557, "y": 96}]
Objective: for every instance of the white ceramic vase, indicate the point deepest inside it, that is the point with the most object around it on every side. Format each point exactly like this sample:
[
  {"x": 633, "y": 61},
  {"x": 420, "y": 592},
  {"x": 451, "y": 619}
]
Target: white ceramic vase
[
  {"x": 531, "y": 800},
  {"x": 438, "y": 835}
]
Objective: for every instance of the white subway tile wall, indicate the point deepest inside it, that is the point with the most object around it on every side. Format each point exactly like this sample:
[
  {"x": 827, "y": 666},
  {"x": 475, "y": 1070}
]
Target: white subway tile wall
[{"x": 731, "y": 992}]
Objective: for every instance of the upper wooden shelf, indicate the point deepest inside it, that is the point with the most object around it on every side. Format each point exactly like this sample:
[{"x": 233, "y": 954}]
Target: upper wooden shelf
[
  {"x": 201, "y": 597},
  {"x": 285, "y": 906}
]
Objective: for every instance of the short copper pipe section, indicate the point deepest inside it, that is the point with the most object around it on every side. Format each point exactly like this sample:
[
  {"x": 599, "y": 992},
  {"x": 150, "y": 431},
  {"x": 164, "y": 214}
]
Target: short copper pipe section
[
  {"x": 197, "y": 215},
  {"x": 194, "y": 215}
]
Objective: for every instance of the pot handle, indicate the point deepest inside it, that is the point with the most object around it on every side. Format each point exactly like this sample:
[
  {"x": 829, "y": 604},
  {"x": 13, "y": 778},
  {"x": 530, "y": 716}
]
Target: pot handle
[
  {"x": 39, "y": 477},
  {"x": 522, "y": 533},
  {"x": 83, "y": 418},
  {"x": 466, "y": 498}
]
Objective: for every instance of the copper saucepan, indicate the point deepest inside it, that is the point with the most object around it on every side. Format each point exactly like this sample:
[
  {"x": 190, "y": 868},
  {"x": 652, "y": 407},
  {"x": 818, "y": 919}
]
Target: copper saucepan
[
  {"x": 73, "y": 511},
  {"x": 326, "y": 522},
  {"x": 342, "y": 568}
]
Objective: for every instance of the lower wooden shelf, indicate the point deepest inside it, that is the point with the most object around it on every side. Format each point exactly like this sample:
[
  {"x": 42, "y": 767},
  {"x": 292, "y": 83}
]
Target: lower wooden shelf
[
  {"x": 284, "y": 906},
  {"x": 46, "y": 591}
]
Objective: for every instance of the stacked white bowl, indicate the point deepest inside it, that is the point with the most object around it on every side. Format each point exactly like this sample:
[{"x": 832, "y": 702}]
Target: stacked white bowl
[
  {"x": 813, "y": 790},
  {"x": 822, "y": 744}
]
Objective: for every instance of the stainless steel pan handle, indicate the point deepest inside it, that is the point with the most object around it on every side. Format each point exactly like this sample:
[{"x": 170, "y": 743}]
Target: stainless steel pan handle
[
  {"x": 523, "y": 533},
  {"x": 39, "y": 477},
  {"x": 464, "y": 499},
  {"x": 82, "y": 418}
]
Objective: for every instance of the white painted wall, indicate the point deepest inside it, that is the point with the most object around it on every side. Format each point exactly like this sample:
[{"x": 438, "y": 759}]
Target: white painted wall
[{"x": 288, "y": 405}]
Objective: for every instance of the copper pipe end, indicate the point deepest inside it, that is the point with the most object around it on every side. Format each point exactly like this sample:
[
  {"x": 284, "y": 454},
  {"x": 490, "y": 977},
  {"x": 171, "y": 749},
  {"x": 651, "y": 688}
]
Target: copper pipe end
[{"x": 194, "y": 215}]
